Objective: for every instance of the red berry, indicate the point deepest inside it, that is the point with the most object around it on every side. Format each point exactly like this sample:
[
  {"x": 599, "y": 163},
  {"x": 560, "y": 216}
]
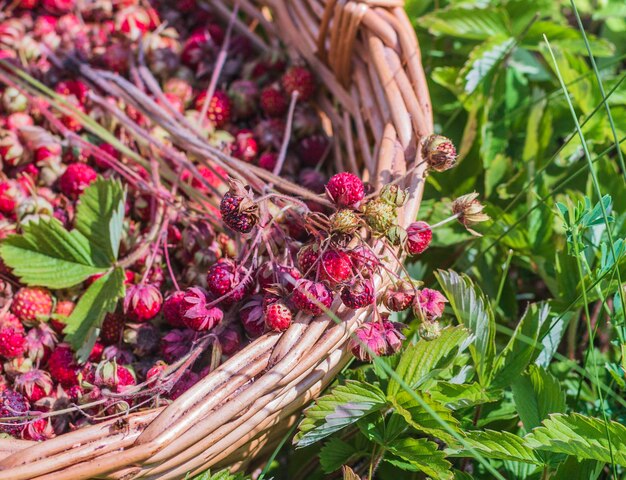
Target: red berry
[
  {"x": 12, "y": 342},
  {"x": 76, "y": 178},
  {"x": 277, "y": 317},
  {"x": 59, "y": 7},
  {"x": 188, "y": 380},
  {"x": 273, "y": 102},
  {"x": 34, "y": 384},
  {"x": 245, "y": 147},
  {"x": 62, "y": 366},
  {"x": 9, "y": 195},
  {"x": 172, "y": 309},
  {"x": 110, "y": 374},
  {"x": 238, "y": 209},
  {"x": 271, "y": 276},
  {"x": 142, "y": 302},
  {"x": 224, "y": 278},
  {"x": 244, "y": 95},
  {"x": 439, "y": 152},
  {"x": 251, "y": 316},
  {"x": 345, "y": 189},
  {"x": 195, "y": 313},
  {"x": 268, "y": 160},
  {"x": 38, "y": 430},
  {"x": 312, "y": 150},
  {"x": 32, "y": 304},
  {"x": 359, "y": 294},
  {"x": 299, "y": 79},
  {"x": 307, "y": 258},
  {"x": 218, "y": 111},
  {"x": 399, "y": 297},
  {"x": 365, "y": 262},
  {"x": 12, "y": 404},
  {"x": 312, "y": 297},
  {"x": 419, "y": 236},
  {"x": 75, "y": 88},
  {"x": 112, "y": 328},
  {"x": 230, "y": 340},
  {"x": 176, "y": 344},
  {"x": 335, "y": 267},
  {"x": 133, "y": 21},
  {"x": 96, "y": 352},
  {"x": 369, "y": 340},
  {"x": 429, "y": 304}
]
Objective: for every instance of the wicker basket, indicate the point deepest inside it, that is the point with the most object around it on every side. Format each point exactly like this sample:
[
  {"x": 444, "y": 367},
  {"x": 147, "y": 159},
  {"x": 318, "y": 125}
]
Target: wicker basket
[{"x": 367, "y": 56}]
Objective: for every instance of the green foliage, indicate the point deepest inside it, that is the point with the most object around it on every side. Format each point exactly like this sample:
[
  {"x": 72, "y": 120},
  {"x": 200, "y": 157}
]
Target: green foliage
[
  {"x": 502, "y": 446},
  {"x": 46, "y": 254}
]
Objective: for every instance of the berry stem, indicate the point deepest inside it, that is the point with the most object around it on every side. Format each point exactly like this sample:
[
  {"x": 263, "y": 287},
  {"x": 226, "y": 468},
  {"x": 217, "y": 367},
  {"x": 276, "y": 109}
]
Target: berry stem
[{"x": 286, "y": 136}]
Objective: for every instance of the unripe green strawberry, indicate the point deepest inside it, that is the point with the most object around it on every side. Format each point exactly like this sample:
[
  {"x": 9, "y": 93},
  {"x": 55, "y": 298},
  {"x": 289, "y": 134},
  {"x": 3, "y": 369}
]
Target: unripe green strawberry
[{"x": 380, "y": 215}]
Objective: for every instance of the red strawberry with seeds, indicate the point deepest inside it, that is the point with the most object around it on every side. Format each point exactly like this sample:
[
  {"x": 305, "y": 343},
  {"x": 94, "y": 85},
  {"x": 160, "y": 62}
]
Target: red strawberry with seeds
[
  {"x": 301, "y": 80},
  {"x": 34, "y": 384},
  {"x": 359, "y": 294},
  {"x": 245, "y": 147},
  {"x": 238, "y": 208},
  {"x": 32, "y": 304},
  {"x": 273, "y": 102},
  {"x": 12, "y": 341},
  {"x": 277, "y": 317},
  {"x": 62, "y": 366},
  {"x": 312, "y": 297},
  {"x": 76, "y": 178},
  {"x": 312, "y": 149},
  {"x": 419, "y": 236},
  {"x": 218, "y": 111},
  {"x": 142, "y": 302},
  {"x": 195, "y": 313},
  {"x": 12, "y": 404},
  {"x": 112, "y": 328},
  {"x": 172, "y": 309},
  {"x": 345, "y": 189},
  {"x": 335, "y": 267}
]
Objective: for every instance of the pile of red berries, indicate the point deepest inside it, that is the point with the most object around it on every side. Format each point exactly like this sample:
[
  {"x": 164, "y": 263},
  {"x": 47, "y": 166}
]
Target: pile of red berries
[{"x": 223, "y": 270}]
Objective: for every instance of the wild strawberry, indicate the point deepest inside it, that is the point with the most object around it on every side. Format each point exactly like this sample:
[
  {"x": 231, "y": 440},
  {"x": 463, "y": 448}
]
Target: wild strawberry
[
  {"x": 251, "y": 316},
  {"x": 345, "y": 189},
  {"x": 19, "y": 121},
  {"x": 238, "y": 208},
  {"x": 307, "y": 258},
  {"x": 393, "y": 336},
  {"x": 116, "y": 377},
  {"x": 419, "y": 236},
  {"x": 195, "y": 313},
  {"x": 312, "y": 297},
  {"x": 380, "y": 216},
  {"x": 312, "y": 179},
  {"x": 469, "y": 211},
  {"x": 12, "y": 404},
  {"x": 40, "y": 341},
  {"x": 12, "y": 341},
  {"x": 224, "y": 278},
  {"x": 299, "y": 79},
  {"x": 273, "y": 102},
  {"x": 156, "y": 370},
  {"x": 358, "y": 294},
  {"x": 269, "y": 133},
  {"x": 429, "y": 330},
  {"x": 201, "y": 43},
  {"x": 172, "y": 309},
  {"x": 13, "y": 100},
  {"x": 188, "y": 380},
  {"x": 142, "y": 302},
  {"x": 400, "y": 296},
  {"x": 335, "y": 267},
  {"x": 62, "y": 366},
  {"x": 177, "y": 344},
  {"x": 277, "y": 317},
  {"x": 133, "y": 22},
  {"x": 116, "y": 58},
  {"x": 245, "y": 147},
  {"x": 312, "y": 150},
  {"x": 429, "y": 304},
  {"x": 244, "y": 95},
  {"x": 109, "y": 150},
  {"x": 268, "y": 161},
  {"x": 96, "y": 352},
  {"x": 219, "y": 108},
  {"x": 38, "y": 430},
  {"x": 32, "y": 304},
  {"x": 74, "y": 88},
  {"x": 76, "y": 178},
  {"x": 59, "y": 7},
  {"x": 368, "y": 342},
  {"x": 112, "y": 328},
  {"x": 439, "y": 152},
  {"x": 344, "y": 221},
  {"x": 11, "y": 149},
  {"x": 9, "y": 195},
  {"x": 230, "y": 340},
  {"x": 34, "y": 384},
  {"x": 271, "y": 276}
]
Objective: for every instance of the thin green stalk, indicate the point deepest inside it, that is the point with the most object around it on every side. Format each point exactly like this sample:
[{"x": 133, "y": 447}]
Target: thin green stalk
[
  {"x": 505, "y": 273},
  {"x": 620, "y": 156},
  {"x": 593, "y": 350},
  {"x": 276, "y": 450}
]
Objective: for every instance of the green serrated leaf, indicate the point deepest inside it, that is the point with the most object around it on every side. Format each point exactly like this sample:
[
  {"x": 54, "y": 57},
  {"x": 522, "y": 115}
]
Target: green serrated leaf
[
  {"x": 523, "y": 347},
  {"x": 221, "y": 475},
  {"x": 343, "y": 406},
  {"x": 47, "y": 255},
  {"x": 482, "y": 61},
  {"x": 426, "y": 359},
  {"x": 536, "y": 395},
  {"x": 420, "y": 455},
  {"x": 462, "y": 395},
  {"x": 335, "y": 453},
  {"x": 471, "y": 23},
  {"x": 474, "y": 312},
  {"x": 418, "y": 418},
  {"x": 582, "y": 437},
  {"x": 572, "y": 469},
  {"x": 501, "y": 446},
  {"x": 100, "y": 216},
  {"x": 99, "y": 299}
]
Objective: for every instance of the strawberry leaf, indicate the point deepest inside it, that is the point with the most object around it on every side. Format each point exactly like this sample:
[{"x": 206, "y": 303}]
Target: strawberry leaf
[
  {"x": 47, "y": 255},
  {"x": 101, "y": 297},
  {"x": 100, "y": 216}
]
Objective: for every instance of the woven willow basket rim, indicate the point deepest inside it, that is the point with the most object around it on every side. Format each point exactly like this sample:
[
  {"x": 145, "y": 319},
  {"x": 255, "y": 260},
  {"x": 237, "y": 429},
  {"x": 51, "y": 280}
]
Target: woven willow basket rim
[{"x": 368, "y": 58}]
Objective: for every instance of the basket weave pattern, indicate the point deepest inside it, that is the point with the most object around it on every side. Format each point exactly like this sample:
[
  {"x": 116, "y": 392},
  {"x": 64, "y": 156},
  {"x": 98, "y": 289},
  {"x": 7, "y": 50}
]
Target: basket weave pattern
[{"x": 377, "y": 109}]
